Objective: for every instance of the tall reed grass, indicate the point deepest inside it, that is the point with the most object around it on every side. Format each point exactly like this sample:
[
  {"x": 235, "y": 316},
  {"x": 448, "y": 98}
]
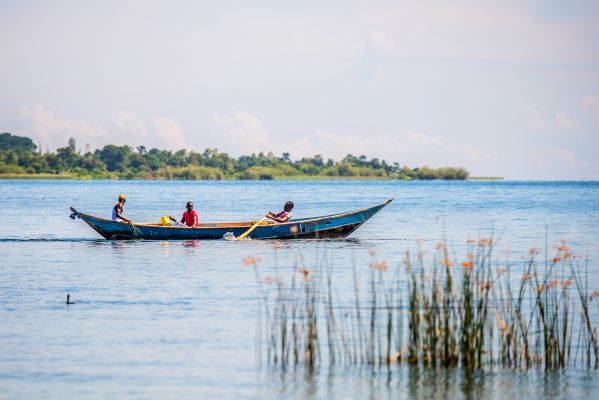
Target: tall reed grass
[{"x": 440, "y": 313}]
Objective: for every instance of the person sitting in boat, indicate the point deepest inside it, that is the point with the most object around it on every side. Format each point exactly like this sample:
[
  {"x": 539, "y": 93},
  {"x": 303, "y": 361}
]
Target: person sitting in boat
[
  {"x": 283, "y": 216},
  {"x": 117, "y": 210},
  {"x": 190, "y": 217}
]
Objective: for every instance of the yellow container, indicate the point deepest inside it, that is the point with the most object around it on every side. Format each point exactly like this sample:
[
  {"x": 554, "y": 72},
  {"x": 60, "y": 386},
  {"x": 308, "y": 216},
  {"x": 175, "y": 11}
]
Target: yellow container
[
  {"x": 165, "y": 220},
  {"x": 261, "y": 223}
]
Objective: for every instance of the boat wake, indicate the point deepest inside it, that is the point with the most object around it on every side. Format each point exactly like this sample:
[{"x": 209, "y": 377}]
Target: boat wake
[{"x": 41, "y": 239}]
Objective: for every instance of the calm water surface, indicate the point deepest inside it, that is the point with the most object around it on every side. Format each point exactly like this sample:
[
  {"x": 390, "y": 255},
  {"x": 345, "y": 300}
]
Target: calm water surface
[{"x": 178, "y": 319}]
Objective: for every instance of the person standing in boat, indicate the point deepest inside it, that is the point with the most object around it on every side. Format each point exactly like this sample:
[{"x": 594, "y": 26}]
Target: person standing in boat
[
  {"x": 190, "y": 217},
  {"x": 283, "y": 216},
  {"x": 117, "y": 210}
]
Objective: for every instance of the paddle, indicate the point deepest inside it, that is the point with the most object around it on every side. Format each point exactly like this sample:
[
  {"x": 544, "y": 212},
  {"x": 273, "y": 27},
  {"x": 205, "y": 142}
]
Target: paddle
[{"x": 244, "y": 234}]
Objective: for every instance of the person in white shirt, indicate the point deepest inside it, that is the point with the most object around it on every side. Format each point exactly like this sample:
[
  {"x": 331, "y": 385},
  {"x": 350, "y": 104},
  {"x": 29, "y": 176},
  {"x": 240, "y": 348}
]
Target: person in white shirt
[{"x": 117, "y": 210}]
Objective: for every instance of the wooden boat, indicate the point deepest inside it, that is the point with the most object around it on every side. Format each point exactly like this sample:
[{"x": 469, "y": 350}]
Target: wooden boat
[{"x": 333, "y": 226}]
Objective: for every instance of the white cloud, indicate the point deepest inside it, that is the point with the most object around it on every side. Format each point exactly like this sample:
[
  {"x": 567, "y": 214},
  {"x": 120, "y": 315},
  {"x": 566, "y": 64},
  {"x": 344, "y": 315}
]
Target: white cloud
[
  {"x": 52, "y": 132},
  {"x": 564, "y": 122},
  {"x": 169, "y": 133},
  {"x": 125, "y": 128},
  {"x": 414, "y": 148},
  {"x": 548, "y": 156},
  {"x": 591, "y": 105},
  {"x": 244, "y": 130},
  {"x": 381, "y": 42},
  {"x": 244, "y": 133},
  {"x": 539, "y": 122},
  {"x": 130, "y": 125},
  {"x": 419, "y": 137},
  {"x": 474, "y": 153},
  {"x": 429, "y": 144},
  {"x": 338, "y": 145},
  {"x": 536, "y": 119}
]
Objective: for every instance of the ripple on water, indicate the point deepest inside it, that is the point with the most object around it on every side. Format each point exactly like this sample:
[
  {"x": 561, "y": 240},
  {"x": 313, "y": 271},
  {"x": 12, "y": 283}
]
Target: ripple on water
[{"x": 178, "y": 319}]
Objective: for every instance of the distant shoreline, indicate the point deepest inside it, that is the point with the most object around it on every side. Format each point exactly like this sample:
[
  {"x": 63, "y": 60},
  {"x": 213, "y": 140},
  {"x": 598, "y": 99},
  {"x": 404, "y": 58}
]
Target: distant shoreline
[
  {"x": 68, "y": 176},
  {"x": 486, "y": 178},
  {"x": 20, "y": 159}
]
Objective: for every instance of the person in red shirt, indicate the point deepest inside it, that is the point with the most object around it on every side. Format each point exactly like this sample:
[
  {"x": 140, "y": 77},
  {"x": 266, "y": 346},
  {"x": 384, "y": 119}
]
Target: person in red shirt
[{"x": 190, "y": 217}]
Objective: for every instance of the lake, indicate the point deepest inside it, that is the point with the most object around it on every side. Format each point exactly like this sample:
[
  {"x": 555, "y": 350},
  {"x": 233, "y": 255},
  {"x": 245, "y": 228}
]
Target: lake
[{"x": 179, "y": 319}]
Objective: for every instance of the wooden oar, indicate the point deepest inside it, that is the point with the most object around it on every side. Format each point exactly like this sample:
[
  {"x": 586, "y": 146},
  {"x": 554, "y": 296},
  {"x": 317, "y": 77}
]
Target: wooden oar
[{"x": 243, "y": 235}]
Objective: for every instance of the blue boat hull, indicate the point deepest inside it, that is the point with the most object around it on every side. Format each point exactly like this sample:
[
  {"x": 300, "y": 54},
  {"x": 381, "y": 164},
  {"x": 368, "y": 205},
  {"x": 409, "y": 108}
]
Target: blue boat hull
[{"x": 326, "y": 227}]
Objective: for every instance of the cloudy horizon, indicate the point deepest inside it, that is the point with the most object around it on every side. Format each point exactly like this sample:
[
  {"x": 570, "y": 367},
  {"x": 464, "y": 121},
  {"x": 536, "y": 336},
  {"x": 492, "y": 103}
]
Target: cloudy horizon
[{"x": 501, "y": 88}]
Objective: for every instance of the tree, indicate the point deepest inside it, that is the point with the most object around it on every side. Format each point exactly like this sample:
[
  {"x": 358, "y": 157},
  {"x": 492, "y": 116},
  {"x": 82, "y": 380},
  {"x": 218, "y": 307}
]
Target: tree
[
  {"x": 136, "y": 160},
  {"x": 10, "y": 157},
  {"x": 153, "y": 161},
  {"x": 318, "y": 161},
  {"x": 67, "y": 156},
  {"x": 375, "y": 163},
  {"x": 179, "y": 159},
  {"x": 18, "y": 144},
  {"x": 115, "y": 157}
]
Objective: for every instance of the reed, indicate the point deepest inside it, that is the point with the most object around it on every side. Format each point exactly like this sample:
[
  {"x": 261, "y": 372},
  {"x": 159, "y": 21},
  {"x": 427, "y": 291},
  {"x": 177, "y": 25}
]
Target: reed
[{"x": 471, "y": 314}]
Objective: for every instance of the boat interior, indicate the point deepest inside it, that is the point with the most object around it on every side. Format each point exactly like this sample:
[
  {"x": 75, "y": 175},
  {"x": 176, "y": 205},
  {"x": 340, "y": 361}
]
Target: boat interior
[{"x": 210, "y": 224}]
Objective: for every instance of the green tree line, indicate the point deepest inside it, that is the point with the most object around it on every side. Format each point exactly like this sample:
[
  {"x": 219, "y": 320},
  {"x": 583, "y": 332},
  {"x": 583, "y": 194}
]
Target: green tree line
[{"x": 20, "y": 156}]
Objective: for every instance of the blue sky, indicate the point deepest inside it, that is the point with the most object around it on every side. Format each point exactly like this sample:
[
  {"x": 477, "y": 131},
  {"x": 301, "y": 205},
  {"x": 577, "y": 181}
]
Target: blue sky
[{"x": 506, "y": 88}]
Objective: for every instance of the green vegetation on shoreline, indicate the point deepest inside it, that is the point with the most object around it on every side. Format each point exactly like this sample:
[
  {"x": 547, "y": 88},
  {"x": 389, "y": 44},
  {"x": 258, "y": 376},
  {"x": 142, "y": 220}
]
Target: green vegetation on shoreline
[{"x": 19, "y": 159}]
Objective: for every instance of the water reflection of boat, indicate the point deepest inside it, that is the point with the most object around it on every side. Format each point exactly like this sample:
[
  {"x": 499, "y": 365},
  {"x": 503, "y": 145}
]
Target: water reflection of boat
[{"x": 332, "y": 226}]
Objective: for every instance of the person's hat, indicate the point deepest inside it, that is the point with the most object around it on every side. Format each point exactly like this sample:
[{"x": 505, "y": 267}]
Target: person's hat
[{"x": 122, "y": 197}]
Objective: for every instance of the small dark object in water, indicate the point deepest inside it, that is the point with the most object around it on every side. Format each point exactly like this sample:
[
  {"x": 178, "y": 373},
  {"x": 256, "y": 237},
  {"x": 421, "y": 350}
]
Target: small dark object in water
[{"x": 69, "y": 299}]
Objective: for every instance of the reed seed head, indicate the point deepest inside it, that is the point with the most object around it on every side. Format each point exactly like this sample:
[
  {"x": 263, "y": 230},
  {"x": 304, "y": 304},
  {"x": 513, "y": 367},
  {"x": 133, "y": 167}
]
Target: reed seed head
[
  {"x": 379, "y": 266},
  {"x": 447, "y": 262},
  {"x": 563, "y": 247},
  {"x": 485, "y": 242},
  {"x": 568, "y": 282},
  {"x": 249, "y": 261},
  {"x": 305, "y": 273}
]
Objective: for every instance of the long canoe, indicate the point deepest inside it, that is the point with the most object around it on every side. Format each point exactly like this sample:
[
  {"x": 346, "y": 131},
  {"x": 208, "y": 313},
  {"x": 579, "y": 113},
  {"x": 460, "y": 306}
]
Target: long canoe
[{"x": 332, "y": 226}]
